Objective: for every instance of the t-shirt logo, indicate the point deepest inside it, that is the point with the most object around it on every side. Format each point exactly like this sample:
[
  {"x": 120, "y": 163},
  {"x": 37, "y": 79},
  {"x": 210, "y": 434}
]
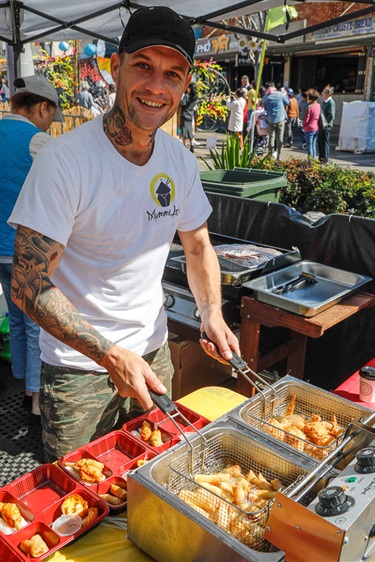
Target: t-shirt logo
[{"x": 162, "y": 190}]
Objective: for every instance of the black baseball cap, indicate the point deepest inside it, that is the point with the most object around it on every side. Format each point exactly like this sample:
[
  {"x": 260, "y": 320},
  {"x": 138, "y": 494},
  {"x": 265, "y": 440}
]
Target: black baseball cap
[{"x": 158, "y": 26}]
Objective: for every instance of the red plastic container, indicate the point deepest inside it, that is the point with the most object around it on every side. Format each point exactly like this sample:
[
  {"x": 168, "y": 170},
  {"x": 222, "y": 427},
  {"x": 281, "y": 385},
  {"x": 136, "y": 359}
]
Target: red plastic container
[
  {"x": 169, "y": 432},
  {"x": 38, "y": 495},
  {"x": 118, "y": 452}
]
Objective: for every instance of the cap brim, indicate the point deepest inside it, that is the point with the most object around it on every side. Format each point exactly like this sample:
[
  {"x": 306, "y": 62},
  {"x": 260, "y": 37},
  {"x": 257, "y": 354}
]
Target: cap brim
[
  {"x": 59, "y": 117},
  {"x": 157, "y": 42}
]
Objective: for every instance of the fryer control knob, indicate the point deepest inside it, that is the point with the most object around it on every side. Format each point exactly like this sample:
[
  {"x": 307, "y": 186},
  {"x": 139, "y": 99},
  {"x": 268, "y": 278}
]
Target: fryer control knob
[
  {"x": 333, "y": 501},
  {"x": 197, "y": 314},
  {"x": 365, "y": 460},
  {"x": 169, "y": 301}
]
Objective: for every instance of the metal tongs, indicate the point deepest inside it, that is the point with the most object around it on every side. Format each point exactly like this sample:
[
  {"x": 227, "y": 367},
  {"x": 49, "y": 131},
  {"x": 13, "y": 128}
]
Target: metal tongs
[
  {"x": 241, "y": 367},
  {"x": 171, "y": 410},
  {"x": 304, "y": 277}
]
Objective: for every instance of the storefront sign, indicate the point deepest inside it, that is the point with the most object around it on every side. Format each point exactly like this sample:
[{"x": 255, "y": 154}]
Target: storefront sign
[
  {"x": 360, "y": 26},
  {"x": 220, "y": 44}
]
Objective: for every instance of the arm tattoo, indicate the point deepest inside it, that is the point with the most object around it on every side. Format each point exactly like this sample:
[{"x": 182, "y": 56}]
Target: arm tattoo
[
  {"x": 114, "y": 125},
  {"x": 35, "y": 259}
]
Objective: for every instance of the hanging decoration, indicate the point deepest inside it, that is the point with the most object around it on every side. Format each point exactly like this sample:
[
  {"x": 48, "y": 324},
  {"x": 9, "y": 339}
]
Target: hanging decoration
[
  {"x": 64, "y": 46},
  {"x": 90, "y": 50}
]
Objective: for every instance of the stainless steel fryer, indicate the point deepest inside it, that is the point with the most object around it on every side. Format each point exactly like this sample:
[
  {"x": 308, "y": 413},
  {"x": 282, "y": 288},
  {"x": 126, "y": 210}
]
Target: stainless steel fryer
[
  {"x": 180, "y": 532},
  {"x": 309, "y": 400}
]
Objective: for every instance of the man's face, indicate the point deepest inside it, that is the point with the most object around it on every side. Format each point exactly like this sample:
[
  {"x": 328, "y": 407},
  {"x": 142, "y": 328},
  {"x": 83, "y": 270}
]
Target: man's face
[
  {"x": 325, "y": 94},
  {"x": 149, "y": 85}
]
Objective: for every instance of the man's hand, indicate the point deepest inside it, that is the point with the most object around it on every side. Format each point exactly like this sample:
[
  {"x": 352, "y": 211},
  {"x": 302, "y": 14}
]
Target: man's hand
[
  {"x": 220, "y": 341},
  {"x": 132, "y": 375}
]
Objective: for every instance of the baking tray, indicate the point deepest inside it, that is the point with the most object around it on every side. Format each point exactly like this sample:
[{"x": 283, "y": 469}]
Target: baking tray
[
  {"x": 235, "y": 274},
  {"x": 310, "y": 400},
  {"x": 306, "y": 299},
  {"x": 38, "y": 495},
  {"x": 119, "y": 452},
  {"x": 169, "y": 432}
]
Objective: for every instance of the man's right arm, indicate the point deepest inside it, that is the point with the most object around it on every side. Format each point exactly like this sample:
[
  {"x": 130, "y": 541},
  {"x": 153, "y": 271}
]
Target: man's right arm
[{"x": 36, "y": 257}]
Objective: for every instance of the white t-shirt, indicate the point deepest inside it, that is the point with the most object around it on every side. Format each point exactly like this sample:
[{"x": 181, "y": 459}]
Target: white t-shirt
[
  {"x": 116, "y": 221},
  {"x": 235, "y": 123}
]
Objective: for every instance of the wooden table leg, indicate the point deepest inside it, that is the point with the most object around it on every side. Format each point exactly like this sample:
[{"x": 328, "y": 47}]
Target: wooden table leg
[
  {"x": 296, "y": 360},
  {"x": 250, "y": 335}
]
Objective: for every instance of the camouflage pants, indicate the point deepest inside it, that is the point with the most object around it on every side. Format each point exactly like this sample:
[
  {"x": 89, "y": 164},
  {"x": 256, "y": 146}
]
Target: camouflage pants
[{"x": 80, "y": 406}]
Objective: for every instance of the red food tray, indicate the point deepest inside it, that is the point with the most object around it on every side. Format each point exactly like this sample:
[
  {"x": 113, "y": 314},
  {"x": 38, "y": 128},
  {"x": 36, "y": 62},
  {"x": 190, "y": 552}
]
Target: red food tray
[
  {"x": 169, "y": 432},
  {"x": 118, "y": 452},
  {"x": 38, "y": 495}
]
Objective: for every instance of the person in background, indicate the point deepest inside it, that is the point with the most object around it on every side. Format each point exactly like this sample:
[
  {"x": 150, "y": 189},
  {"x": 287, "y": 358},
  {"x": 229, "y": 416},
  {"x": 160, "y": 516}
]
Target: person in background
[
  {"x": 310, "y": 123},
  {"x": 236, "y": 103},
  {"x": 84, "y": 97},
  {"x": 33, "y": 108},
  {"x": 292, "y": 112},
  {"x": 274, "y": 103},
  {"x": 302, "y": 108},
  {"x": 329, "y": 109},
  {"x": 245, "y": 82},
  {"x": 4, "y": 91},
  {"x": 91, "y": 247},
  {"x": 188, "y": 104},
  {"x": 245, "y": 114},
  {"x": 251, "y": 99},
  {"x": 111, "y": 96}
]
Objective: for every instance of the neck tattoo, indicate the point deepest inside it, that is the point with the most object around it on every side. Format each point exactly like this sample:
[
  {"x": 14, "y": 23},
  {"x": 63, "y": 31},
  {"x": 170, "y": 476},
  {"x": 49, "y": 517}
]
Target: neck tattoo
[{"x": 115, "y": 127}]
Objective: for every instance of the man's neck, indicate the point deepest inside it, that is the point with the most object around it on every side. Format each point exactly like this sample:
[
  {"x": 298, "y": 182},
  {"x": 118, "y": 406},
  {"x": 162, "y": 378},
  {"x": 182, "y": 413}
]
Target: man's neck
[{"x": 134, "y": 145}]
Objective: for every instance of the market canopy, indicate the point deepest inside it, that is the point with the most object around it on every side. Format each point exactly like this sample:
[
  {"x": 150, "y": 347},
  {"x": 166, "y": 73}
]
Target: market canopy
[{"x": 50, "y": 20}]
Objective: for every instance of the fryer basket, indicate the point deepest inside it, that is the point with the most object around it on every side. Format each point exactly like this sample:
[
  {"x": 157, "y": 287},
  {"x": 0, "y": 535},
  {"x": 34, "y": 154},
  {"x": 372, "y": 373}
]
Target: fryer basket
[
  {"x": 309, "y": 400},
  {"x": 221, "y": 451}
]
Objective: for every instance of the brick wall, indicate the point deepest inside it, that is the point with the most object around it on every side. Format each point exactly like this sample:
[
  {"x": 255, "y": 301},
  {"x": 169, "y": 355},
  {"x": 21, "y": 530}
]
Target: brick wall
[{"x": 322, "y": 11}]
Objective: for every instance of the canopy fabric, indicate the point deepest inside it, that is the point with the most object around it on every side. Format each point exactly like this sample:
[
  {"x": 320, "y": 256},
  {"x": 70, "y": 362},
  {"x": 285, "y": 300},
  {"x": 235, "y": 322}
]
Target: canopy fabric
[{"x": 47, "y": 20}]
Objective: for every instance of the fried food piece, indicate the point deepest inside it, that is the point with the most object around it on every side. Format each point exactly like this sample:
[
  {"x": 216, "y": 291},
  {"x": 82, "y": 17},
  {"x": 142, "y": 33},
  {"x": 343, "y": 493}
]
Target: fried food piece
[
  {"x": 92, "y": 514},
  {"x": 155, "y": 438},
  {"x": 35, "y": 546},
  {"x": 74, "y": 505},
  {"x": 90, "y": 470},
  {"x": 290, "y": 408},
  {"x": 293, "y": 438},
  {"x": 200, "y": 498},
  {"x": 118, "y": 492},
  {"x": 141, "y": 462},
  {"x": 11, "y": 515},
  {"x": 113, "y": 500},
  {"x": 146, "y": 430},
  {"x": 260, "y": 482},
  {"x": 213, "y": 478}
]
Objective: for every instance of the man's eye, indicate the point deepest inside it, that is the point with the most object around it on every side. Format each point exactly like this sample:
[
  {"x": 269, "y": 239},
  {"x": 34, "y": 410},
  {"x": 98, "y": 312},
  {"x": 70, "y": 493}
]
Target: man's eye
[{"x": 142, "y": 65}]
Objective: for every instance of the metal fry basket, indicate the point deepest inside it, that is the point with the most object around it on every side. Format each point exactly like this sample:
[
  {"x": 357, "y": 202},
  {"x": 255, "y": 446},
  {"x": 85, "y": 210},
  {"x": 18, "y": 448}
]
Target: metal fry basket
[
  {"x": 221, "y": 451},
  {"x": 309, "y": 400}
]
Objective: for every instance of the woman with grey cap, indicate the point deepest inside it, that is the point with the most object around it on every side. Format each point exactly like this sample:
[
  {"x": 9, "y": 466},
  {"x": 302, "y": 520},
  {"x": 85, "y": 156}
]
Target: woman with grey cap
[
  {"x": 34, "y": 106},
  {"x": 96, "y": 219}
]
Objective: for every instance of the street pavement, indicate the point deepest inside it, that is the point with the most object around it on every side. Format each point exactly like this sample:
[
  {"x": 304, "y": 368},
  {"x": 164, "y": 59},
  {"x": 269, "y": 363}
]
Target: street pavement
[{"x": 365, "y": 162}]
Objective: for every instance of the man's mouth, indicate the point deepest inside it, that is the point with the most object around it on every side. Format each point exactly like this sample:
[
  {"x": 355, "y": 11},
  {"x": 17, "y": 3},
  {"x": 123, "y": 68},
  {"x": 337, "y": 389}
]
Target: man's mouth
[{"x": 150, "y": 103}]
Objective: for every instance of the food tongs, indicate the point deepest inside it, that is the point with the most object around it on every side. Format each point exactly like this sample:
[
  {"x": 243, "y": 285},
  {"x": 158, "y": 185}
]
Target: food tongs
[
  {"x": 168, "y": 407},
  {"x": 242, "y": 368}
]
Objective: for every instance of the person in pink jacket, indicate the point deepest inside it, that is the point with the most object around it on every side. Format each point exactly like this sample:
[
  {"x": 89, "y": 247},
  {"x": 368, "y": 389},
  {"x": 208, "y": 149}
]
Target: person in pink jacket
[{"x": 310, "y": 123}]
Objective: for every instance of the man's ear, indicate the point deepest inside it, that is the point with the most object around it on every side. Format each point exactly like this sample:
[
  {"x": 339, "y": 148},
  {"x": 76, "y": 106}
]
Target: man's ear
[{"x": 188, "y": 80}]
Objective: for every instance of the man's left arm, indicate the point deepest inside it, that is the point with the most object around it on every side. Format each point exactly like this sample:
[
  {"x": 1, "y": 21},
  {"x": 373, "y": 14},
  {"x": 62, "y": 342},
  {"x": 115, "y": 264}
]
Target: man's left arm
[{"x": 204, "y": 280}]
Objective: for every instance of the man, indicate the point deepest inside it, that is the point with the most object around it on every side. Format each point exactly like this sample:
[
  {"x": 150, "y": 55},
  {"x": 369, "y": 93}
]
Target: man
[
  {"x": 33, "y": 108},
  {"x": 84, "y": 97},
  {"x": 274, "y": 103},
  {"x": 245, "y": 82},
  {"x": 96, "y": 218},
  {"x": 329, "y": 110}
]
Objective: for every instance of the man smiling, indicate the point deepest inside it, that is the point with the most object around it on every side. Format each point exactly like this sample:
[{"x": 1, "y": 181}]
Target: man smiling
[{"x": 96, "y": 218}]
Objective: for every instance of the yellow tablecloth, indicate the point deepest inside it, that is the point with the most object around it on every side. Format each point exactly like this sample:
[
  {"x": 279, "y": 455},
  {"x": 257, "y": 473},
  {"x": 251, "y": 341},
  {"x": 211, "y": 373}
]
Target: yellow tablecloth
[{"x": 105, "y": 544}]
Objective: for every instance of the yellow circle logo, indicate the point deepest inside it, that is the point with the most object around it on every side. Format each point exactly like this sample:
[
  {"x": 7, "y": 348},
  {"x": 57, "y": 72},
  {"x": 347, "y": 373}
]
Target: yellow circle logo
[{"x": 162, "y": 190}]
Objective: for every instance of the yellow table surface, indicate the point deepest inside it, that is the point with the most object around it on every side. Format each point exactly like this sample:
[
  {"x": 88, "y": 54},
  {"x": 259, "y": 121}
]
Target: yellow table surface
[{"x": 107, "y": 544}]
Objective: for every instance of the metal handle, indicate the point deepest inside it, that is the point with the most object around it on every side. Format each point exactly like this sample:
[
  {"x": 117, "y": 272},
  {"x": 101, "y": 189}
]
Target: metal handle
[
  {"x": 243, "y": 368},
  {"x": 163, "y": 402}
]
